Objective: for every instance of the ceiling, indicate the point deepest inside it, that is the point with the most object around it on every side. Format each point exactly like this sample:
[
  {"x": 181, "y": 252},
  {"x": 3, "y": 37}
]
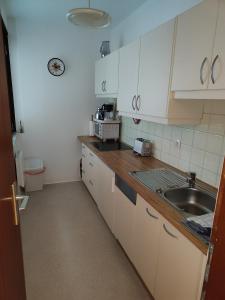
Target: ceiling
[{"x": 57, "y": 9}]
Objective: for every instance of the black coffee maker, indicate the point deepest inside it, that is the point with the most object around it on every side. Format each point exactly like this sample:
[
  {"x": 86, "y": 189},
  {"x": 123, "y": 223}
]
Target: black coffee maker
[{"x": 104, "y": 112}]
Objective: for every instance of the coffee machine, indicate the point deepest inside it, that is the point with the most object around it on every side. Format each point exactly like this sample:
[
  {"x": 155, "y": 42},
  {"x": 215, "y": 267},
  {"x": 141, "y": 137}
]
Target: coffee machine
[{"x": 105, "y": 112}]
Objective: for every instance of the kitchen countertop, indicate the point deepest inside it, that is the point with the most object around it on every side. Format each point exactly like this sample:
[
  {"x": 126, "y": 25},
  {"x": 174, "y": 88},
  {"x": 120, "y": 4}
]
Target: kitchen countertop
[{"x": 123, "y": 162}]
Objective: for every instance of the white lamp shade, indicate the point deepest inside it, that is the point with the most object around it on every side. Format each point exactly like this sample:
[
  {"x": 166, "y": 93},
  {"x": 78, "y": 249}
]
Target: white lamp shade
[{"x": 89, "y": 17}]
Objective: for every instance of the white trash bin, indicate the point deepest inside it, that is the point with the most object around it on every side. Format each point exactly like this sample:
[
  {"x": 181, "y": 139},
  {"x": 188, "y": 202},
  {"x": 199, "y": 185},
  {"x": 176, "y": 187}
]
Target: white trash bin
[{"x": 34, "y": 174}]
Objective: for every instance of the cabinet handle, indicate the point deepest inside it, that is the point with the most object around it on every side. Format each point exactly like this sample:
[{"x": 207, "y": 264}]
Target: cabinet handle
[
  {"x": 103, "y": 85},
  {"x": 168, "y": 232},
  {"x": 134, "y": 101},
  {"x": 83, "y": 147},
  {"x": 91, "y": 164},
  {"x": 91, "y": 182},
  {"x": 151, "y": 215},
  {"x": 201, "y": 70},
  {"x": 212, "y": 69},
  {"x": 138, "y": 103},
  {"x": 91, "y": 154}
]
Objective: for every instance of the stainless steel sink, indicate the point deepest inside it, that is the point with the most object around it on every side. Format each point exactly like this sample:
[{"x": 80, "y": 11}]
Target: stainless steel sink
[{"x": 191, "y": 201}]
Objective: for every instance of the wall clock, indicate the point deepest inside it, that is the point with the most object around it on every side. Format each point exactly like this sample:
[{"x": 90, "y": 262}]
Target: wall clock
[{"x": 56, "y": 66}]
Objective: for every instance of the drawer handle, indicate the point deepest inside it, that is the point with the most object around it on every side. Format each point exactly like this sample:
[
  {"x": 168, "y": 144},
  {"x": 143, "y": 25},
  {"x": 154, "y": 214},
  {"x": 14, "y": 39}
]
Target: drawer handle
[
  {"x": 91, "y": 164},
  {"x": 151, "y": 215},
  {"x": 168, "y": 232},
  {"x": 212, "y": 69},
  {"x": 201, "y": 70},
  {"x": 91, "y": 182}
]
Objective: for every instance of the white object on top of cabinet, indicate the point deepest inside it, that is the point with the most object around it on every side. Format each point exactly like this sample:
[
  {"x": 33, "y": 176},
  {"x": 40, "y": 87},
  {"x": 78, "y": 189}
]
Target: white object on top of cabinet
[
  {"x": 106, "y": 75},
  {"x": 145, "y": 80},
  {"x": 199, "y": 64}
]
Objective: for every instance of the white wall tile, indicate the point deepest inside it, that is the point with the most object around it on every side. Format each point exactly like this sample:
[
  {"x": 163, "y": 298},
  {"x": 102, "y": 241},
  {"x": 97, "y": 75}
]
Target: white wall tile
[
  {"x": 187, "y": 136},
  {"x": 202, "y": 147},
  {"x": 214, "y": 143},
  {"x": 211, "y": 162},
  {"x": 199, "y": 140}
]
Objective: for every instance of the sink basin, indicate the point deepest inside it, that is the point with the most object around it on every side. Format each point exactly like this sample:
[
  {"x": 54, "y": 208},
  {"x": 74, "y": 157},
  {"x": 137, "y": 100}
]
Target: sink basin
[{"x": 191, "y": 201}]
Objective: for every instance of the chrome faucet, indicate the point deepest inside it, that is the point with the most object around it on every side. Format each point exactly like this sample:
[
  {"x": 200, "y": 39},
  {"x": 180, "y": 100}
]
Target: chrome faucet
[{"x": 191, "y": 179}]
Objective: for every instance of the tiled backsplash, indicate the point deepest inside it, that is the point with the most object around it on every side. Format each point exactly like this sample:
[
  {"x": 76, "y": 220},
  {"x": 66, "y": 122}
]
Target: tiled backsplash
[{"x": 202, "y": 147}]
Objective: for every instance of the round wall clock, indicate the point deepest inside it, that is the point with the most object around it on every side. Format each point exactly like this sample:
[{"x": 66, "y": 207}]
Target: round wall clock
[{"x": 56, "y": 66}]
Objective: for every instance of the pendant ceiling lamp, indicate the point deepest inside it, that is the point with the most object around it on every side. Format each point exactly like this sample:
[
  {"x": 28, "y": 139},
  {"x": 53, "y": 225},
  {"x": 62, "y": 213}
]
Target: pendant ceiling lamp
[{"x": 89, "y": 17}]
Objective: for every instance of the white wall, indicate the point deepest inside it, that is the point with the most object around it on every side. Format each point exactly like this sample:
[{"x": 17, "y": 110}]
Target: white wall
[
  {"x": 54, "y": 110},
  {"x": 148, "y": 16}
]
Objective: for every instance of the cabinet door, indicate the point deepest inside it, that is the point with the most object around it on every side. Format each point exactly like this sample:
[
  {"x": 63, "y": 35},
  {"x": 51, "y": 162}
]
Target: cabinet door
[
  {"x": 217, "y": 76},
  {"x": 155, "y": 65},
  {"x": 92, "y": 174},
  {"x": 105, "y": 200},
  {"x": 194, "y": 44},
  {"x": 179, "y": 266},
  {"x": 128, "y": 77},
  {"x": 112, "y": 73},
  {"x": 100, "y": 76},
  {"x": 146, "y": 244},
  {"x": 124, "y": 221}
]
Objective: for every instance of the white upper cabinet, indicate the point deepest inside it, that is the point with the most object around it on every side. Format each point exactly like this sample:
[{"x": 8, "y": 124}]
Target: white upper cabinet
[
  {"x": 217, "y": 76},
  {"x": 194, "y": 44},
  {"x": 106, "y": 75},
  {"x": 145, "y": 80},
  {"x": 154, "y": 73},
  {"x": 128, "y": 77}
]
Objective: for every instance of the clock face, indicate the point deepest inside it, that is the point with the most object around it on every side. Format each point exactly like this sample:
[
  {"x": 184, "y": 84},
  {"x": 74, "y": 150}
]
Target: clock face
[{"x": 56, "y": 66}]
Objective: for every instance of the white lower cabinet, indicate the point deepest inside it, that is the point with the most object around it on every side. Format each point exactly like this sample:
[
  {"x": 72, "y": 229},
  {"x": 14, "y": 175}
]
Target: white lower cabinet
[
  {"x": 124, "y": 221},
  {"x": 147, "y": 232},
  {"x": 169, "y": 264},
  {"x": 90, "y": 176},
  {"x": 105, "y": 200},
  {"x": 180, "y": 266}
]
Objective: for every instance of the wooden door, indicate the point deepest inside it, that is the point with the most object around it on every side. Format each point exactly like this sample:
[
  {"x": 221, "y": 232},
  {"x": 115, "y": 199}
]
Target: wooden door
[
  {"x": 217, "y": 76},
  {"x": 128, "y": 77},
  {"x": 194, "y": 46},
  {"x": 180, "y": 266},
  {"x": 155, "y": 65},
  {"x": 215, "y": 287},
  {"x": 12, "y": 284},
  {"x": 146, "y": 243}
]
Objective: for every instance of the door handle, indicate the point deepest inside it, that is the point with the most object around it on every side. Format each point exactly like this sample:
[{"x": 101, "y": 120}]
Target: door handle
[
  {"x": 14, "y": 200},
  {"x": 212, "y": 69},
  {"x": 16, "y": 218},
  {"x": 201, "y": 70}
]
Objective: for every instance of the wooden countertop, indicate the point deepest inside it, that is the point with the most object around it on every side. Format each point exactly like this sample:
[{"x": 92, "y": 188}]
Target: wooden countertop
[{"x": 123, "y": 162}]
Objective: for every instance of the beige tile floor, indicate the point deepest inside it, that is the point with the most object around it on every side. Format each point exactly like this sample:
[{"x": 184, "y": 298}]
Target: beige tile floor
[{"x": 69, "y": 252}]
